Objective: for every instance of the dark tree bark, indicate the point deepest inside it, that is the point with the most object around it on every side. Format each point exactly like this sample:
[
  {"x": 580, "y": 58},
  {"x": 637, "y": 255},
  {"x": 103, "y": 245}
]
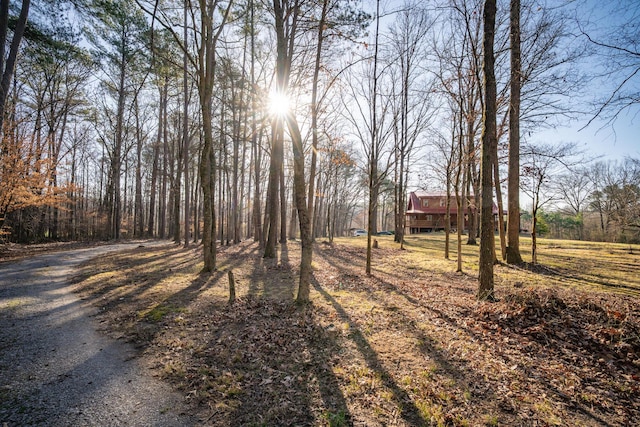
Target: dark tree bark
[
  {"x": 206, "y": 75},
  {"x": 501, "y": 225},
  {"x": 513, "y": 202},
  {"x": 176, "y": 179},
  {"x": 273, "y": 190},
  {"x": 115, "y": 211},
  {"x": 154, "y": 167},
  {"x": 470, "y": 180},
  {"x": 7, "y": 66},
  {"x": 138, "y": 216},
  {"x": 460, "y": 188},
  {"x": 283, "y": 195},
  {"x": 162, "y": 208},
  {"x": 487, "y": 243},
  {"x": 185, "y": 135}
]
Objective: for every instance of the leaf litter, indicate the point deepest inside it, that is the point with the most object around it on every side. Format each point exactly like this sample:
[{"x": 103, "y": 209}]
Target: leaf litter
[{"x": 403, "y": 347}]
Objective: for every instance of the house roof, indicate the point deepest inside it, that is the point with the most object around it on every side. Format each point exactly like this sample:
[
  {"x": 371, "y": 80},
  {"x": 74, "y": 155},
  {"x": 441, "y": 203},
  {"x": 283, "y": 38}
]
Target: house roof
[
  {"x": 423, "y": 193},
  {"x": 415, "y": 206}
]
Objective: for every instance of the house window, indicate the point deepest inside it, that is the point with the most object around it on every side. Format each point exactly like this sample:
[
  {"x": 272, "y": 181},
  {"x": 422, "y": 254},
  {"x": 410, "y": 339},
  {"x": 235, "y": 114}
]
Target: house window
[
  {"x": 441, "y": 202},
  {"x": 429, "y": 217},
  {"x": 425, "y": 203}
]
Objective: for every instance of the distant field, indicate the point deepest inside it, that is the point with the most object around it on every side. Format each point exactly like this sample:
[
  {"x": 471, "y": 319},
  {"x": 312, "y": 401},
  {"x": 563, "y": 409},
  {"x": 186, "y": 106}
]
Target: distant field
[{"x": 569, "y": 263}]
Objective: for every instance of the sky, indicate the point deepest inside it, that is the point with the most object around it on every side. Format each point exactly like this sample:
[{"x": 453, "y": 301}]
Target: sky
[
  {"x": 602, "y": 139},
  {"x": 616, "y": 22}
]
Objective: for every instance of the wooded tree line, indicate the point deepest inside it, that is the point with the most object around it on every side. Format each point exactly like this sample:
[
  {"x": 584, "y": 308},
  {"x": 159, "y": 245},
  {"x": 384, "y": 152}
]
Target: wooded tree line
[{"x": 167, "y": 119}]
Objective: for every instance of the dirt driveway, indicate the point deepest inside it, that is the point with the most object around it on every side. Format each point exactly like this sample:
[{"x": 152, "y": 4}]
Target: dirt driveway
[{"x": 56, "y": 369}]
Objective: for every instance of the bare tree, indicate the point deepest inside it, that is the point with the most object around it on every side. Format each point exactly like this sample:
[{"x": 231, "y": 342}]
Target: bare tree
[
  {"x": 210, "y": 18},
  {"x": 285, "y": 37},
  {"x": 367, "y": 111},
  {"x": 513, "y": 205},
  {"x": 541, "y": 162},
  {"x": 411, "y": 115},
  {"x": 489, "y": 140},
  {"x": 185, "y": 130},
  {"x": 8, "y": 62},
  {"x": 616, "y": 198},
  {"x": 617, "y": 51},
  {"x": 575, "y": 188},
  {"x": 459, "y": 83}
]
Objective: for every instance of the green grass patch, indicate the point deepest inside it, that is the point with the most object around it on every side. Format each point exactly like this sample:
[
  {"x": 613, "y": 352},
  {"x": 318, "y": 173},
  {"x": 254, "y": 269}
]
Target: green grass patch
[
  {"x": 336, "y": 419},
  {"x": 160, "y": 311}
]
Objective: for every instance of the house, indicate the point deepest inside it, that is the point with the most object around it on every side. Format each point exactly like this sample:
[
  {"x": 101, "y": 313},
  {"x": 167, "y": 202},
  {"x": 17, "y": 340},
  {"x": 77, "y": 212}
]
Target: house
[{"x": 426, "y": 212}]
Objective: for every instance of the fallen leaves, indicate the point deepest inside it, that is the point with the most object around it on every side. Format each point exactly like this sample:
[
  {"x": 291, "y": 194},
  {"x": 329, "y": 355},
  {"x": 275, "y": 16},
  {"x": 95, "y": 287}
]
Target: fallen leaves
[{"x": 401, "y": 347}]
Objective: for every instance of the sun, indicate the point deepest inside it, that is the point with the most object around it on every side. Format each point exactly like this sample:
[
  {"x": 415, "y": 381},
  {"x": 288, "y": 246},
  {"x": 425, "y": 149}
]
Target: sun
[{"x": 279, "y": 104}]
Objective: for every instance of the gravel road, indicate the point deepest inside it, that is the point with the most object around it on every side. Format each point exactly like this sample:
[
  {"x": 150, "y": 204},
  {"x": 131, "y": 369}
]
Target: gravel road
[{"x": 56, "y": 369}]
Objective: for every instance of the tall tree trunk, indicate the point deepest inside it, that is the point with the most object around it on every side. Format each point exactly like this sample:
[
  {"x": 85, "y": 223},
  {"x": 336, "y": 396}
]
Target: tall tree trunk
[
  {"x": 282, "y": 67},
  {"x": 534, "y": 236},
  {"x": 283, "y": 199},
  {"x": 206, "y": 77},
  {"x": 138, "y": 216},
  {"x": 185, "y": 133},
  {"x": 472, "y": 208},
  {"x": 447, "y": 218},
  {"x": 221, "y": 186},
  {"x": 73, "y": 199},
  {"x": 195, "y": 190},
  {"x": 176, "y": 190},
  {"x": 373, "y": 161},
  {"x": 162, "y": 208},
  {"x": 116, "y": 161},
  {"x": 257, "y": 203},
  {"x": 513, "y": 203},
  {"x": 272, "y": 189},
  {"x": 256, "y": 152},
  {"x": 154, "y": 166},
  {"x": 243, "y": 191},
  {"x": 496, "y": 174},
  {"x": 314, "y": 110},
  {"x": 460, "y": 187},
  {"x": 7, "y": 66},
  {"x": 487, "y": 240},
  {"x": 303, "y": 213},
  {"x": 235, "y": 214}
]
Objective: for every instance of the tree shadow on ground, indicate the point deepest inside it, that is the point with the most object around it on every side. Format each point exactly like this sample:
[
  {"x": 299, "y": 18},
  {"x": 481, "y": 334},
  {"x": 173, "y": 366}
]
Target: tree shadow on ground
[
  {"x": 270, "y": 364},
  {"x": 579, "y": 278},
  {"x": 277, "y": 352},
  {"x": 272, "y": 278},
  {"x": 399, "y": 306},
  {"x": 260, "y": 360},
  {"x": 409, "y": 412},
  {"x": 266, "y": 361}
]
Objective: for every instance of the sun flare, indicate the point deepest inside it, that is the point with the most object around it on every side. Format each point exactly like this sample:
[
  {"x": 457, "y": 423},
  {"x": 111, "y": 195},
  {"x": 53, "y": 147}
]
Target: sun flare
[{"x": 279, "y": 103}]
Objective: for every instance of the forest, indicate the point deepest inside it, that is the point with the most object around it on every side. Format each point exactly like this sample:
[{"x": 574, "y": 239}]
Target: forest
[
  {"x": 218, "y": 121},
  {"x": 204, "y": 213}
]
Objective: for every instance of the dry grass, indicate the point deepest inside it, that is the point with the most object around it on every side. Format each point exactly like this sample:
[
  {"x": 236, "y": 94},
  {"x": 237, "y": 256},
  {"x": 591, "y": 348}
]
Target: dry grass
[
  {"x": 567, "y": 263},
  {"x": 407, "y": 346}
]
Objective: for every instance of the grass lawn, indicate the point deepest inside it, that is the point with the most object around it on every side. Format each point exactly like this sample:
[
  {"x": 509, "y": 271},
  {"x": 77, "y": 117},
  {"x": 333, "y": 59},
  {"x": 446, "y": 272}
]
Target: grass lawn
[
  {"x": 567, "y": 263},
  {"x": 407, "y": 346}
]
